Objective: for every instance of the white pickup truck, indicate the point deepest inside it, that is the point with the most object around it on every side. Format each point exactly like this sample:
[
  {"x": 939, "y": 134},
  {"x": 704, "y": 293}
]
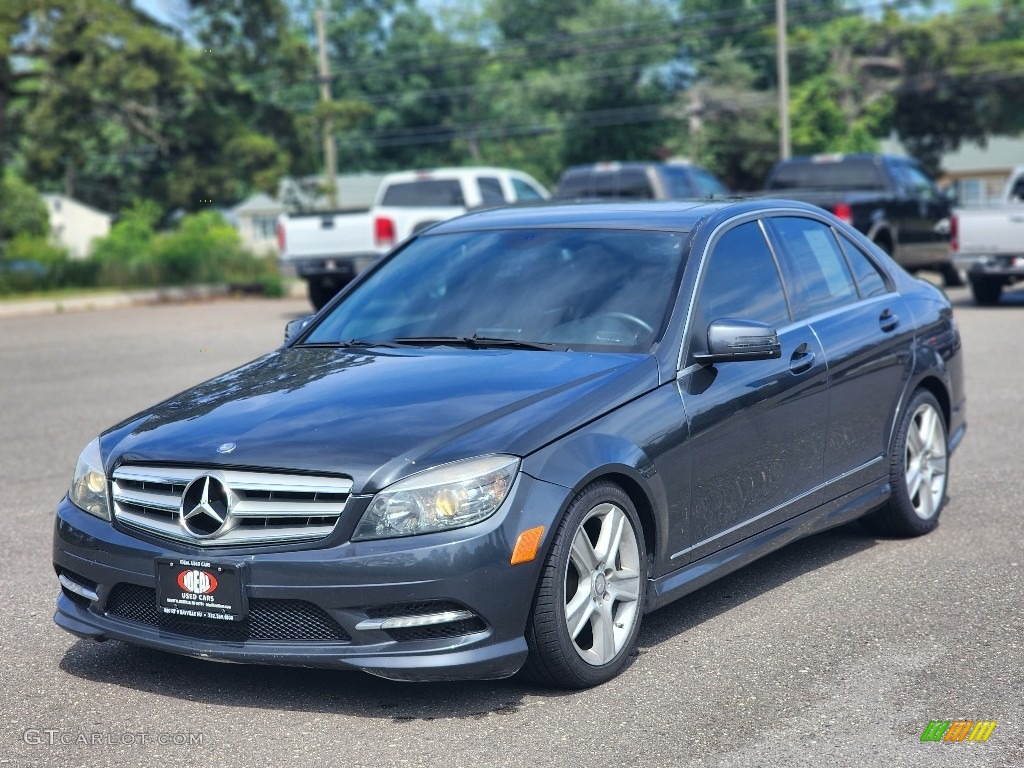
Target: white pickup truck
[
  {"x": 329, "y": 248},
  {"x": 988, "y": 243}
]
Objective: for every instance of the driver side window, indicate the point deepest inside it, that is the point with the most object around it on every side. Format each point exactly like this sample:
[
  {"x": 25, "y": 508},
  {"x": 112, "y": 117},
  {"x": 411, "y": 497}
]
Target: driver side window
[{"x": 741, "y": 281}]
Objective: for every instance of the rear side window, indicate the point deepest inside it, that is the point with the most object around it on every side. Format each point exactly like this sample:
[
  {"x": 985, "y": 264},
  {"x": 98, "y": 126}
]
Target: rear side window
[
  {"x": 634, "y": 183},
  {"x": 708, "y": 185},
  {"x": 740, "y": 281},
  {"x": 678, "y": 182},
  {"x": 828, "y": 174},
  {"x": 869, "y": 280},
  {"x": 425, "y": 192},
  {"x": 574, "y": 184},
  {"x": 524, "y": 191},
  {"x": 816, "y": 272},
  {"x": 490, "y": 190}
]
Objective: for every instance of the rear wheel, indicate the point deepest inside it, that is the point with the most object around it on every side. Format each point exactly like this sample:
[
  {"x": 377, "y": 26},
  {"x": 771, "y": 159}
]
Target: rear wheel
[
  {"x": 589, "y": 603},
  {"x": 986, "y": 290},
  {"x": 918, "y": 471}
]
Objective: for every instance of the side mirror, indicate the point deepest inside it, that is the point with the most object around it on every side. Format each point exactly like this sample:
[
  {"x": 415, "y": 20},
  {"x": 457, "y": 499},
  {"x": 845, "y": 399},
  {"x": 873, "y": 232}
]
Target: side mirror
[
  {"x": 295, "y": 327},
  {"x": 730, "y": 339}
]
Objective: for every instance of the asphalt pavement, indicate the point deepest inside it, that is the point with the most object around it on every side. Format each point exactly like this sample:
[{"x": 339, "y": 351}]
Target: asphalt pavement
[{"x": 835, "y": 651}]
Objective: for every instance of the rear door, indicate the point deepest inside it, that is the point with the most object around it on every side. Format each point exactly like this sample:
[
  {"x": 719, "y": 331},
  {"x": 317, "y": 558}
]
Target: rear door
[
  {"x": 757, "y": 427},
  {"x": 867, "y": 334}
]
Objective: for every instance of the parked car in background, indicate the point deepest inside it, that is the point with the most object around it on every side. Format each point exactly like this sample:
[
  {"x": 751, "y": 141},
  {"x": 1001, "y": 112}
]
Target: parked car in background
[
  {"x": 988, "y": 243},
  {"x": 890, "y": 199},
  {"x": 515, "y": 435},
  {"x": 675, "y": 180},
  {"x": 329, "y": 248}
]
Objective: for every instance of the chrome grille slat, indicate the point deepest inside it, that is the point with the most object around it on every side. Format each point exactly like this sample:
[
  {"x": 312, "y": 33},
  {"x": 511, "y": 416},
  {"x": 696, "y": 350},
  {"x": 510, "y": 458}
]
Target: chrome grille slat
[
  {"x": 265, "y": 507},
  {"x": 145, "y": 498},
  {"x": 257, "y": 508}
]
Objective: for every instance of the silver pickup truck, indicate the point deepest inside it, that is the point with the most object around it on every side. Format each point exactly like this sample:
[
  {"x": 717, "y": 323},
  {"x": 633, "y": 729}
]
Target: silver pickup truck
[{"x": 988, "y": 243}]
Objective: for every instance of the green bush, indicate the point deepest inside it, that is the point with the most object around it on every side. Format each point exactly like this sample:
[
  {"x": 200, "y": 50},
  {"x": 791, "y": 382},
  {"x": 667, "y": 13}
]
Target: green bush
[
  {"x": 204, "y": 249},
  {"x": 33, "y": 263},
  {"x": 122, "y": 258}
]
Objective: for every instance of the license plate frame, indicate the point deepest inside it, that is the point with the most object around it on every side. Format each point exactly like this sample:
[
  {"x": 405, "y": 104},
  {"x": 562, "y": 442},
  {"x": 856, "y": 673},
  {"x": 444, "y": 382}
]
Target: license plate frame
[{"x": 199, "y": 589}]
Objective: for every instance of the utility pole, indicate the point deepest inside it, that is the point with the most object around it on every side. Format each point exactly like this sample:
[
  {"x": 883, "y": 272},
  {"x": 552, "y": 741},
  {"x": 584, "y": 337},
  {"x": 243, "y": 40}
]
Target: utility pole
[
  {"x": 783, "y": 70},
  {"x": 330, "y": 157}
]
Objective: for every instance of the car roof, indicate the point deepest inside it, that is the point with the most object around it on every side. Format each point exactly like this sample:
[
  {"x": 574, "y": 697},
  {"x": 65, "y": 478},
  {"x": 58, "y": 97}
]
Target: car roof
[{"x": 667, "y": 215}]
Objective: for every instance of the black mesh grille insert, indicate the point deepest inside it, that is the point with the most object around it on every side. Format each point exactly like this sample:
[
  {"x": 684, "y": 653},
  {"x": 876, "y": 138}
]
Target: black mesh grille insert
[{"x": 268, "y": 619}]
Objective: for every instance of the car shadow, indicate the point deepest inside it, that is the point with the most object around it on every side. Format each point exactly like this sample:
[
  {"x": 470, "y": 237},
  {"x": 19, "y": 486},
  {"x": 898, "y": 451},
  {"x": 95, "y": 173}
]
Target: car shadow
[{"x": 362, "y": 695}]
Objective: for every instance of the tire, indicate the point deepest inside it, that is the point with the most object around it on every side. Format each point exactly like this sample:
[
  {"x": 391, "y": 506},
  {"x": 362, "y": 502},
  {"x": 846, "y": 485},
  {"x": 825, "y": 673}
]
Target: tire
[
  {"x": 598, "y": 584},
  {"x": 321, "y": 292},
  {"x": 951, "y": 276},
  {"x": 986, "y": 290},
  {"x": 918, "y": 471}
]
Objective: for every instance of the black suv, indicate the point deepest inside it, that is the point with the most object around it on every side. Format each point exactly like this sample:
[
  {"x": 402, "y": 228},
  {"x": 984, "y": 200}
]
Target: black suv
[{"x": 639, "y": 181}]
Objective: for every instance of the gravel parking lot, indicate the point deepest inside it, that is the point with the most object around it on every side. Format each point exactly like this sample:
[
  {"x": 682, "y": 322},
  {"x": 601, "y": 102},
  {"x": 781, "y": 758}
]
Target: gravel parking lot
[{"x": 837, "y": 650}]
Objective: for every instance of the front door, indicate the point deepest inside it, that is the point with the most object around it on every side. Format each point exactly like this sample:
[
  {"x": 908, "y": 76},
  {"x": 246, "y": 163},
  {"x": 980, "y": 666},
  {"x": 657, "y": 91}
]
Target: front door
[{"x": 757, "y": 428}]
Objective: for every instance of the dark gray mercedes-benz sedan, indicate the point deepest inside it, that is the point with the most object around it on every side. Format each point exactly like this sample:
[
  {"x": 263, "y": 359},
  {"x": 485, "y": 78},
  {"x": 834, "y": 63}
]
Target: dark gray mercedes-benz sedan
[{"x": 515, "y": 435}]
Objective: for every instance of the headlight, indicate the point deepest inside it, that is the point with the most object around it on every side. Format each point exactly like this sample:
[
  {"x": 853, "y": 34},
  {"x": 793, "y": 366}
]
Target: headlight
[
  {"x": 89, "y": 484},
  {"x": 450, "y": 496}
]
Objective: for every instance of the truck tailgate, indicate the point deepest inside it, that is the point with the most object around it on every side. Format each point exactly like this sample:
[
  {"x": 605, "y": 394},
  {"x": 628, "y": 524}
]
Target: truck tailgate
[
  {"x": 991, "y": 231},
  {"x": 328, "y": 234}
]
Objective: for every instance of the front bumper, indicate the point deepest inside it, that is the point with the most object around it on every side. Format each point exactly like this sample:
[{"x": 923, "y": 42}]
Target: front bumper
[{"x": 320, "y": 604}]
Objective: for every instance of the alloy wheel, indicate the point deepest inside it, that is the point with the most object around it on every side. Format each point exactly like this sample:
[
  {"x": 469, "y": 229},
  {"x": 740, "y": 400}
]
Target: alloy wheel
[
  {"x": 926, "y": 461},
  {"x": 602, "y": 584}
]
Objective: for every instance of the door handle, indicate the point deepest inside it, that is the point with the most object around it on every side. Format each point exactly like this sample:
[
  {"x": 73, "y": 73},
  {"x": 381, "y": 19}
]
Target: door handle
[
  {"x": 888, "y": 321},
  {"x": 801, "y": 360}
]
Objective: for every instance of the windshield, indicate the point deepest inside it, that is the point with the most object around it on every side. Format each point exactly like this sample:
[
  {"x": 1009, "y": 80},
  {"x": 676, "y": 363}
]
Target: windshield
[{"x": 595, "y": 289}]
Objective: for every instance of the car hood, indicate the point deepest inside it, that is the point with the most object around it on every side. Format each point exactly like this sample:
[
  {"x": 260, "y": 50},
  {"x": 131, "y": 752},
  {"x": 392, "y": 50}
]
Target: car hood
[{"x": 379, "y": 415}]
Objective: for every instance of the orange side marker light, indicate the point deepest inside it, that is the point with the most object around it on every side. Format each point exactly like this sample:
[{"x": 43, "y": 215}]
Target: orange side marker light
[{"x": 527, "y": 545}]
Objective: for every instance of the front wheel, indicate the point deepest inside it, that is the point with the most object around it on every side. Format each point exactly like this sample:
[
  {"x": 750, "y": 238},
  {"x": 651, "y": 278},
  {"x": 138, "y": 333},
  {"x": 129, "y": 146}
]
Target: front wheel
[
  {"x": 590, "y": 600},
  {"x": 918, "y": 471}
]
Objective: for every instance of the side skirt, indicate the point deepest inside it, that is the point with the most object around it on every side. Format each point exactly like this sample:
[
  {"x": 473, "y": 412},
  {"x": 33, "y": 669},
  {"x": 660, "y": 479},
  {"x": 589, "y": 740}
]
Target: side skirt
[{"x": 672, "y": 586}]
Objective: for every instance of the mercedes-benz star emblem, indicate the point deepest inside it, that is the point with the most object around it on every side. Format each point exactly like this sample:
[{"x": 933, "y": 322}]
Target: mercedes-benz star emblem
[{"x": 205, "y": 506}]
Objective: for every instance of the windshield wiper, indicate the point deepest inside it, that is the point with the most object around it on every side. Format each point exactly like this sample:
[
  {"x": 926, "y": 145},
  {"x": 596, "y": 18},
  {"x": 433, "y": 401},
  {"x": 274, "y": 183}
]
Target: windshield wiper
[
  {"x": 351, "y": 343},
  {"x": 477, "y": 342}
]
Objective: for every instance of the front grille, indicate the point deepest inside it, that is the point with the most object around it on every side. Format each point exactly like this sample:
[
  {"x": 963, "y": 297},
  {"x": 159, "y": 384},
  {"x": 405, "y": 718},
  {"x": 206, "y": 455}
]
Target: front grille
[
  {"x": 258, "y": 507},
  {"x": 268, "y": 619}
]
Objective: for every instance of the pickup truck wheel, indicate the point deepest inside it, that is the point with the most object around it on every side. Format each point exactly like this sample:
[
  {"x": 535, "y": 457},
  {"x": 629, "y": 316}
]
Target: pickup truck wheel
[
  {"x": 918, "y": 471},
  {"x": 320, "y": 293},
  {"x": 986, "y": 290}
]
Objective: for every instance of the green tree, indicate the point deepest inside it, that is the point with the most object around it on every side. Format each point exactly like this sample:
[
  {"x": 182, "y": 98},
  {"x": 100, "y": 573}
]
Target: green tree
[{"x": 22, "y": 210}]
